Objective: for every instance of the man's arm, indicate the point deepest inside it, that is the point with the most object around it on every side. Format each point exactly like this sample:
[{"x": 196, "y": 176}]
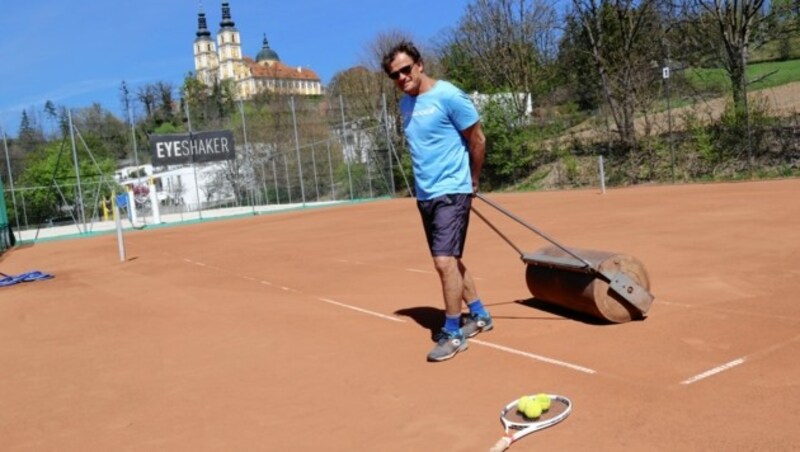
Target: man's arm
[{"x": 476, "y": 143}]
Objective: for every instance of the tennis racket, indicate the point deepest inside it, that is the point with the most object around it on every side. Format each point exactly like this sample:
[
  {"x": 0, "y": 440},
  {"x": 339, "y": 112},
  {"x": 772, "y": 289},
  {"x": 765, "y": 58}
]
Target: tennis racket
[{"x": 518, "y": 426}]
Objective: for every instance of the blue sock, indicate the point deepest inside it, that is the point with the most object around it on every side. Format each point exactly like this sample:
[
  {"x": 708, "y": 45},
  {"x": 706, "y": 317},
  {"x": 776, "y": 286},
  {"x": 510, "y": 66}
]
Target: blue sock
[
  {"x": 476, "y": 308},
  {"x": 452, "y": 324}
]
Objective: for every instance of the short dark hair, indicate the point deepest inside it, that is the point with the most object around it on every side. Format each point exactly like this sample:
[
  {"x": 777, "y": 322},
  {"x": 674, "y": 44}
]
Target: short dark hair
[{"x": 401, "y": 47}]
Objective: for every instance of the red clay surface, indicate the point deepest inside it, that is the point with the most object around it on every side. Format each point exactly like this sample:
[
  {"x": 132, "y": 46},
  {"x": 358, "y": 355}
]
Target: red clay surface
[{"x": 308, "y": 331}]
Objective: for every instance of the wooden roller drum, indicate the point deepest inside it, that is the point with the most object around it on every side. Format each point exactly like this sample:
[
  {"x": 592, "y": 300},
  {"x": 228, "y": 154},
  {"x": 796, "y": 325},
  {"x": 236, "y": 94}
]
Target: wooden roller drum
[{"x": 556, "y": 277}]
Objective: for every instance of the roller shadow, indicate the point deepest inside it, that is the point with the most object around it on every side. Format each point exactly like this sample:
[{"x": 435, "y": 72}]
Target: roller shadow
[
  {"x": 560, "y": 311},
  {"x": 432, "y": 318}
]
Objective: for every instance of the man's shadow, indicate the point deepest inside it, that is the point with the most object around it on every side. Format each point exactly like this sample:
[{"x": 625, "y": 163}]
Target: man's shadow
[
  {"x": 427, "y": 317},
  {"x": 432, "y": 318}
]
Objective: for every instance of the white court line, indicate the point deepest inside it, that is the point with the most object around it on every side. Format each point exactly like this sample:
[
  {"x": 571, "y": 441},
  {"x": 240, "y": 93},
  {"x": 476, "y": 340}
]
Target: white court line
[
  {"x": 414, "y": 270},
  {"x": 365, "y": 311},
  {"x": 714, "y": 308},
  {"x": 714, "y": 371},
  {"x": 395, "y": 319},
  {"x": 536, "y": 357},
  {"x": 289, "y": 289},
  {"x": 345, "y": 261},
  {"x": 736, "y": 362}
]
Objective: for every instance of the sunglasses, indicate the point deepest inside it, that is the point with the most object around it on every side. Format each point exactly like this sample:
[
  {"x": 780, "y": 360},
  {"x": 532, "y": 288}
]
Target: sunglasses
[{"x": 405, "y": 70}]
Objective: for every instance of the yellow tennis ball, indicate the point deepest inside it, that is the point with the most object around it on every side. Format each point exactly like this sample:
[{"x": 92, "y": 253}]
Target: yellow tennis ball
[
  {"x": 543, "y": 400},
  {"x": 533, "y": 410},
  {"x": 523, "y": 403}
]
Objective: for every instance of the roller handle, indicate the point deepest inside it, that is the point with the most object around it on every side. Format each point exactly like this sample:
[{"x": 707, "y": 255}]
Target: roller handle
[
  {"x": 587, "y": 264},
  {"x": 507, "y": 240}
]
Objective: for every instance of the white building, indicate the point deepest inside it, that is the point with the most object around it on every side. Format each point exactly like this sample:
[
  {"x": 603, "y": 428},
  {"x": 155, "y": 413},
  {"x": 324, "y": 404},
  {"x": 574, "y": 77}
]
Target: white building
[
  {"x": 507, "y": 100},
  {"x": 175, "y": 185}
]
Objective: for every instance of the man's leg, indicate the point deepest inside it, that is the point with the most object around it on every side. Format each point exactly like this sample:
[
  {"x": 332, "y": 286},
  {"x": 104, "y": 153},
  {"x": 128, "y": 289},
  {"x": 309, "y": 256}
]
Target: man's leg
[
  {"x": 451, "y": 340},
  {"x": 445, "y": 219},
  {"x": 453, "y": 283},
  {"x": 470, "y": 293},
  {"x": 479, "y": 319}
]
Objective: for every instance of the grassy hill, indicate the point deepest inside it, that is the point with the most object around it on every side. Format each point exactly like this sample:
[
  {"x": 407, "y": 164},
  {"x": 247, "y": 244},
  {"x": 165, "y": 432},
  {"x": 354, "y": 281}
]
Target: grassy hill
[{"x": 767, "y": 74}]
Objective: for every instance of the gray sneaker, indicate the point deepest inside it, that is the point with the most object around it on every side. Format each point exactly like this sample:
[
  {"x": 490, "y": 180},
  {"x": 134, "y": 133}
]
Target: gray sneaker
[
  {"x": 475, "y": 324},
  {"x": 448, "y": 344}
]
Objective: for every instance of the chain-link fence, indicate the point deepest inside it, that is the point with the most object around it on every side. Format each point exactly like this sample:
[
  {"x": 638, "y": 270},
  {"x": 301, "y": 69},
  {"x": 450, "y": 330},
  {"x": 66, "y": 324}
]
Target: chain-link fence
[
  {"x": 307, "y": 150},
  {"x": 288, "y": 151}
]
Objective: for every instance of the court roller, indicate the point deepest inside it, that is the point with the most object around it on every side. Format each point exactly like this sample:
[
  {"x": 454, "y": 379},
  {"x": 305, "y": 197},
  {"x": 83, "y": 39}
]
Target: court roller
[
  {"x": 551, "y": 278},
  {"x": 609, "y": 286}
]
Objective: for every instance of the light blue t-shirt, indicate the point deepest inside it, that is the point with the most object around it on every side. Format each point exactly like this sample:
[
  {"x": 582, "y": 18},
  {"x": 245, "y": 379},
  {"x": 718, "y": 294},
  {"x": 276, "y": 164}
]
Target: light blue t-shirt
[{"x": 432, "y": 122}]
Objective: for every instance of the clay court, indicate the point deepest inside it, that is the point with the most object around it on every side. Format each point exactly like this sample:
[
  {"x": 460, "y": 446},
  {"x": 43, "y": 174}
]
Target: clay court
[{"x": 308, "y": 330}]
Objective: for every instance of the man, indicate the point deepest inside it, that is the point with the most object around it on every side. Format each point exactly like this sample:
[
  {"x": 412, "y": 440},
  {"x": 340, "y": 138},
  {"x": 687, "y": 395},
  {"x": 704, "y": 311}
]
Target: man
[{"x": 444, "y": 132}]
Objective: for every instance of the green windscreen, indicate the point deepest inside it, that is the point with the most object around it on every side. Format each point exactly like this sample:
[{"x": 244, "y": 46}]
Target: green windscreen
[{"x": 5, "y": 232}]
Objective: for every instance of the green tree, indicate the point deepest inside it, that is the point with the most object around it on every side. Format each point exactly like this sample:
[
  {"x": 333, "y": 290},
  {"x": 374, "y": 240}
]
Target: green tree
[
  {"x": 209, "y": 107},
  {"x": 575, "y": 67},
  {"x": 52, "y": 171},
  {"x": 784, "y": 24},
  {"x": 30, "y": 135},
  {"x": 196, "y": 95},
  {"x": 507, "y": 156},
  {"x": 111, "y": 134},
  {"x": 458, "y": 68}
]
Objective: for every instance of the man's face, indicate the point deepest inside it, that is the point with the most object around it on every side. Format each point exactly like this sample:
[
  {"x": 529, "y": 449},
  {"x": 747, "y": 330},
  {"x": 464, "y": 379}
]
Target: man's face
[{"x": 408, "y": 74}]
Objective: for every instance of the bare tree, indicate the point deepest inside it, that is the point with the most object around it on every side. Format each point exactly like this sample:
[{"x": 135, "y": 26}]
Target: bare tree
[
  {"x": 378, "y": 84},
  {"x": 503, "y": 45},
  {"x": 620, "y": 36},
  {"x": 148, "y": 96},
  {"x": 358, "y": 93},
  {"x": 360, "y": 89},
  {"x": 166, "y": 100},
  {"x": 728, "y": 25}
]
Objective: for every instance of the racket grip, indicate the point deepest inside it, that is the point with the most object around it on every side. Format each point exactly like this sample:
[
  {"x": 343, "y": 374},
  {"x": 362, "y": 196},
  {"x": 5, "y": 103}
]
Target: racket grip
[{"x": 501, "y": 445}]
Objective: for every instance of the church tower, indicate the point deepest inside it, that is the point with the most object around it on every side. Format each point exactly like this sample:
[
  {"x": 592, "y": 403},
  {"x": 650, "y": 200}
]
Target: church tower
[
  {"x": 224, "y": 62},
  {"x": 230, "y": 47},
  {"x": 206, "y": 61}
]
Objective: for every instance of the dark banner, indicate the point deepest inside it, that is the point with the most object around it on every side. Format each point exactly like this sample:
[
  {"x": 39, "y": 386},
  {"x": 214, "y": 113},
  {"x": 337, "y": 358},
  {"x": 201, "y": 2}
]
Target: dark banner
[{"x": 197, "y": 147}]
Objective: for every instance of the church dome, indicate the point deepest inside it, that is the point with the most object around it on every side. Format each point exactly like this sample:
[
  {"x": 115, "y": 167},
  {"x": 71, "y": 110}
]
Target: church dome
[{"x": 266, "y": 54}]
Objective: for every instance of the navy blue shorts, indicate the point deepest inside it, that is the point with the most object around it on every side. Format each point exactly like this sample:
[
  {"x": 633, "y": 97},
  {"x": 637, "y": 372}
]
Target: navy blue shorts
[{"x": 446, "y": 219}]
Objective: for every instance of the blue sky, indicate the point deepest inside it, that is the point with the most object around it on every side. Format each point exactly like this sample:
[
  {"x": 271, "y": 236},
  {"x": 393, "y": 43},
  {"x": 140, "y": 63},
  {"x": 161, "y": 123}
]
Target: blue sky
[{"x": 78, "y": 52}]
